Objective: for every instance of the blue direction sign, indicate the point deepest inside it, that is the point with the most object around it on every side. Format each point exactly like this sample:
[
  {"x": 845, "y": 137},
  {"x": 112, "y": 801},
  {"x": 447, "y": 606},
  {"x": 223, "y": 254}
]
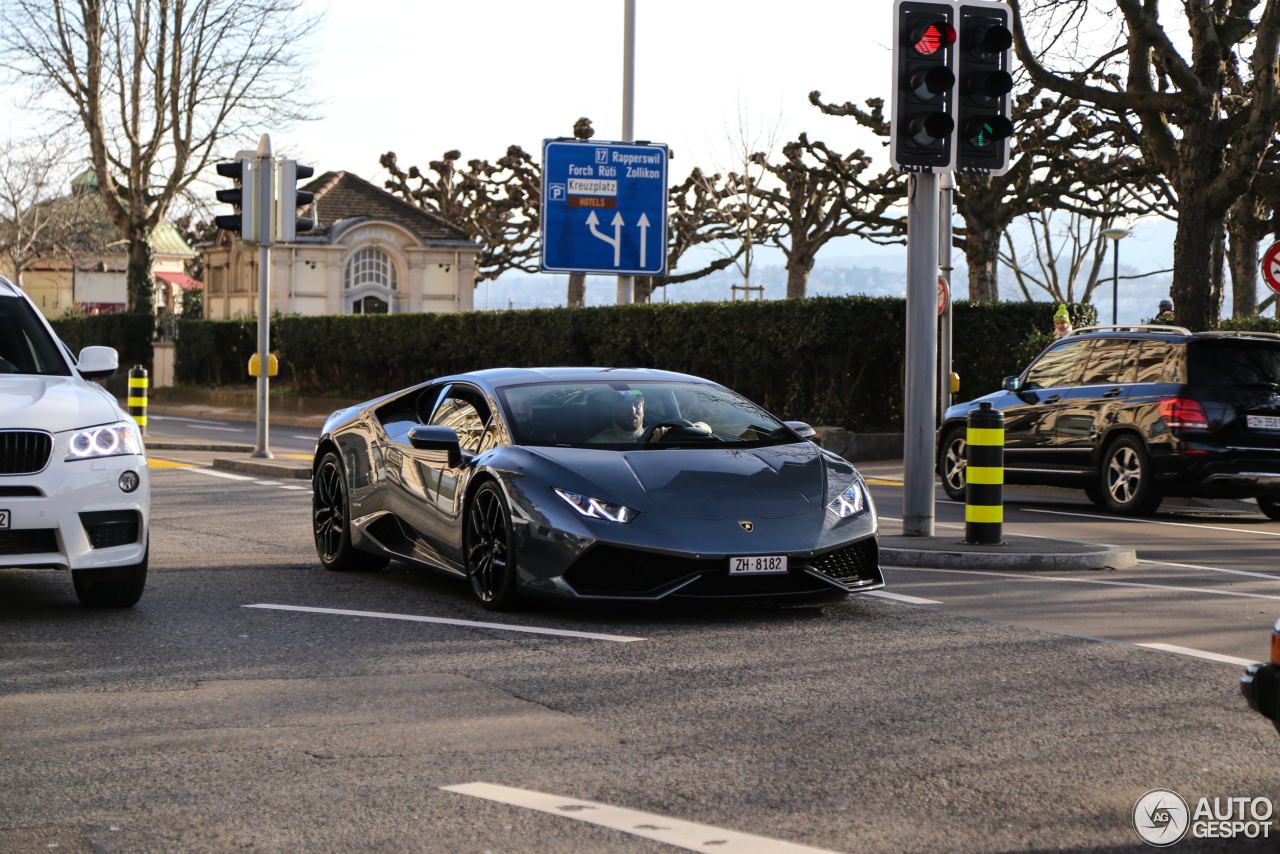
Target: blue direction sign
[{"x": 604, "y": 208}]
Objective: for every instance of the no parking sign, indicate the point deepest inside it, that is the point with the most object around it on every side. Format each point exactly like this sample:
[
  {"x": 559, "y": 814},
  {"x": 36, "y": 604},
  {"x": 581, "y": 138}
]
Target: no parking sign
[{"x": 1271, "y": 267}]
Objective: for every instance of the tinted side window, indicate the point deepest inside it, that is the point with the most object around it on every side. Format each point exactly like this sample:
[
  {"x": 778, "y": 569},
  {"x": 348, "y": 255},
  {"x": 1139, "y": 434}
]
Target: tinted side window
[
  {"x": 1057, "y": 367},
  {"x": 407, "y": 411},
  {"x": 1151, "y": 361},
  {"x": 1106, "y": 362},
  {"x": 466, "y": 411}
]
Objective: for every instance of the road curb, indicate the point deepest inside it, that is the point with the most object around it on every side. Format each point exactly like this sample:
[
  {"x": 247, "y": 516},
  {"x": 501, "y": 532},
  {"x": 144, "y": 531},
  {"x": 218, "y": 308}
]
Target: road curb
[
  {"x": 265, "y": 468},
  {"x": 221, "y": 447},
  {"x": 1018, "y": 554}
]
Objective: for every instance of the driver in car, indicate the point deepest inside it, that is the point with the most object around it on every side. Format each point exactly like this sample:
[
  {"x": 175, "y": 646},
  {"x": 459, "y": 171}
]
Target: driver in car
[{"x": 628, "y": 420}]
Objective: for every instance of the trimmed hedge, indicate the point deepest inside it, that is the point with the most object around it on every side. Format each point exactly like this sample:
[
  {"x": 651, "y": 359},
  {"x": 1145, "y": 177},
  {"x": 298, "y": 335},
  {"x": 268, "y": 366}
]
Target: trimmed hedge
[
  {"x": 130, "y": 333},
  {"x": 824, "y": 360},
  {"x": 1252, "y": 324}
]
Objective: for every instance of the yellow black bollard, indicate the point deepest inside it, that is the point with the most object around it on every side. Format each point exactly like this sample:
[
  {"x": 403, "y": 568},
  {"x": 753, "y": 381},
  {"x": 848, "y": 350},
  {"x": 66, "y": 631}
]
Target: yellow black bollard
[
  {"x": 138, "y": 383},
  {"x": 984, "y": 477}
]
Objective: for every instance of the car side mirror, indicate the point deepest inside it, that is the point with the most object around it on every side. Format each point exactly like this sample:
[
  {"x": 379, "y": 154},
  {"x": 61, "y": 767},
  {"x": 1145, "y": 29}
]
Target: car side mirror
[
  {"x": 804, "y": 431},
  {"x": 1011, "y": 383},
  {"x": 98, "y": 363},
  {"x": 437, "y": 439}
]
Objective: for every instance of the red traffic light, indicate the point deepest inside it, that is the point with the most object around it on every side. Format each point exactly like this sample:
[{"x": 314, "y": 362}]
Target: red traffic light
[{"x": 928, "y": 39}]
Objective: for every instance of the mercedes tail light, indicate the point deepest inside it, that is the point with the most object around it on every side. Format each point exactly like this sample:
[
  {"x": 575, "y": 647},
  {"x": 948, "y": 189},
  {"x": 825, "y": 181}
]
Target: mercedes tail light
[{"x": 1183, "y": 412}]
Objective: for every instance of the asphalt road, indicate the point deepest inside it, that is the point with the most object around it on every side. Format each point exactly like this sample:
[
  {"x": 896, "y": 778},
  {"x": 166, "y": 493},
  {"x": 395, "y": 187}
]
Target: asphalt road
[
  {"x": 977, "y": 724},
  {"x": 182, "y": 428}
]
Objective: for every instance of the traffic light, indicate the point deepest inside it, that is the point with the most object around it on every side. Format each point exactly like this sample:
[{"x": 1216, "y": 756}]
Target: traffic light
[
  {"x": 290, "y": 199},
  {"x": 924, "y": 86},
  {"x": 983, "y": 127},
  {"x": 242, "y": 196}
]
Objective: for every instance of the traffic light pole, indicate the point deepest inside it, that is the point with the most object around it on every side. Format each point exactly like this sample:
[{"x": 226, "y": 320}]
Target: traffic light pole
[
  {"x": 922, "y": 355},
  {"x": 264, "y": 188},
  {"x": 944, "y": 268}
]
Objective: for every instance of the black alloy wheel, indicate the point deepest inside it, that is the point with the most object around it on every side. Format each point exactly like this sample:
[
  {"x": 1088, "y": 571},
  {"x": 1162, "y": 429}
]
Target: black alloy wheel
[
  {"x": 491, "y": 564},
  {"x": 1127, "y": 483},
  {"x": 331, "y": 521},
  {"x": 1270, "y": 508},
  {"x": 115, "y": 587},
  {"x": 953, "y": 464}
]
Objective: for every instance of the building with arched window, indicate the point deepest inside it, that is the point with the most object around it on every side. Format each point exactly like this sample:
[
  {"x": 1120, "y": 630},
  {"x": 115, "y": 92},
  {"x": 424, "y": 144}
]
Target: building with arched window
[{"x": 373, "y": 253}]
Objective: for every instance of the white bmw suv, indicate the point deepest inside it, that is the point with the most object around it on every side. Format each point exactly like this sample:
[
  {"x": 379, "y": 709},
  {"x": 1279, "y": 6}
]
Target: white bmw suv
[{"x": 74, "y": 492}]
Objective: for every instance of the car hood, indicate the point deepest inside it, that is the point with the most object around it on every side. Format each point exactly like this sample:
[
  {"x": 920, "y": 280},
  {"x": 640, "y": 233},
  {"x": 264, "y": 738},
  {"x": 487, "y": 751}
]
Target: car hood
[
  {"x": 53, "y": 403},
  {"x": 710, "y": 483}
]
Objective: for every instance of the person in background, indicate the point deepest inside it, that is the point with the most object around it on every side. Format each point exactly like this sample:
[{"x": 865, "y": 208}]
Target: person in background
[
  {"x": 1166, "y": 312},
  {"x": 1062, "y": 323}
]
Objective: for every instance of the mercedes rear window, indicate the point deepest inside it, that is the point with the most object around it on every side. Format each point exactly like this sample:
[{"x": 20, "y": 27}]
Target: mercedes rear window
[
  {"x": 26, "y": 347},
  {"x": 1246, "y": 364}
]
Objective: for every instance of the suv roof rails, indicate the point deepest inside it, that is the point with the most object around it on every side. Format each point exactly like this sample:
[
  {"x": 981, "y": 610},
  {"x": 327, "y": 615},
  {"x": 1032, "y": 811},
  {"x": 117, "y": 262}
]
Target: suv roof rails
[
  {"x": 1137, "y": 327},
  {"x": 1241, "y": 333}
]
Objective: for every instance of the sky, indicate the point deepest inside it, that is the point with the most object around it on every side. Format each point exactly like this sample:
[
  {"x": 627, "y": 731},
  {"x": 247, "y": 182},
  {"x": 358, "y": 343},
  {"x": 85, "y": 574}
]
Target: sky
[{"x": 420, "y": 77}]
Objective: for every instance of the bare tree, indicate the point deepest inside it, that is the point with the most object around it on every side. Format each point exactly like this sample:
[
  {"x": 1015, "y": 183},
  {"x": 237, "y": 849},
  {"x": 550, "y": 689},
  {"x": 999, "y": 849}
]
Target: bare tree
[
  {"x": 816, "y": 195},
  {"x": 37, "y": 216},
  {"x": 1203, "y": 122},
  {"x": 159, "y": 87}
]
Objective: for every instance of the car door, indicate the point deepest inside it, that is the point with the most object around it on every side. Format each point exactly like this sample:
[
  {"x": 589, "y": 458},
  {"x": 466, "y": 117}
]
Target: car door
[
  {"x": 1092, "y": 405},
  {"x": 1031, "y": 411},
  {"x": 437, "y": 515}
]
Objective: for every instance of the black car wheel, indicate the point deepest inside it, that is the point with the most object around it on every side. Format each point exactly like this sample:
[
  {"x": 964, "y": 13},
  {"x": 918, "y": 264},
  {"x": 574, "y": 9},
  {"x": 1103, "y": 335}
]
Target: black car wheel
[
  {"x": 117, "y": 587},
  {"x": 953, "y": 464},
  {"x": 1271, "y": 509},
  {"x": 331, "y": 520},
  {"x": 1127, "y": 484},
  {"x": 491, "y": 564}
]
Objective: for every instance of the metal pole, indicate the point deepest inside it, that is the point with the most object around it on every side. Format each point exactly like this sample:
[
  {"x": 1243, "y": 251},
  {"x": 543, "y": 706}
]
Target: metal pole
[
  {"x": 1115, "y": 281},
  {"x": 920, "y": 393},
  {"x": 626, "y": 284},
  {"x": 261, "y": 447},
  {"x": 944, "y": 266}
]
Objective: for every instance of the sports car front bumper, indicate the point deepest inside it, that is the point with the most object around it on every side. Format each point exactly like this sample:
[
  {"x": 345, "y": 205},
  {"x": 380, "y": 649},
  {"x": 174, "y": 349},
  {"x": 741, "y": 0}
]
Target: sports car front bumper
[{"x": 1260, "y": 686}]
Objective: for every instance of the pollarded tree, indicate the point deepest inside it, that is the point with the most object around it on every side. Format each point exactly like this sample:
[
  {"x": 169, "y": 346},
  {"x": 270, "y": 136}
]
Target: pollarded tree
[
  {"x": 815, "y": 195},
  {"x": 159, "y": 88},
  {"x": 1202, "y": 118}
]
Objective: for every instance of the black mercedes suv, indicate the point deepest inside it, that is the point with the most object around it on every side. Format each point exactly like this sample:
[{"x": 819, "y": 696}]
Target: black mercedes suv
[{"x": 1131, "y": 414}]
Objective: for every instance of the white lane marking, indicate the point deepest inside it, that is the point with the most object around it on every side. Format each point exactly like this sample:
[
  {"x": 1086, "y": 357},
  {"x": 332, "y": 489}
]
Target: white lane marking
[
  {"x": 213, "y": 473},
  {"x": 1213, "y": 569},
  {"x": 1198, "y": 653},
  {"x": 898, "y": 597},
  {"x": 681, "y": 834},
  {"x": 991, "y": 574},
  {"x": 1150, "y": 522},
  {"x": 307, "y": 488},
  {"x": 223, "y": 429},
  {"x": 267, "y": 482},
  {"x": 532, "y": 630},
  {"x": 180, "y": 418},
  {"x": 310, "y": 438}
]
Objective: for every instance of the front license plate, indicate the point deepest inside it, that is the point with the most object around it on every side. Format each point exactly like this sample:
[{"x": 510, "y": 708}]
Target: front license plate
[
  {"x": 4, "y": 520},
  {"x": 1262, "y": 422},
  {"x": 762, "y": 565}
]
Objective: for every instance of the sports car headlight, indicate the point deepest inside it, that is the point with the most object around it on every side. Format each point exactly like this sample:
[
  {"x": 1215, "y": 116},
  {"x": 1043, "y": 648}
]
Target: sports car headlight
[
  {"x": 112, "y": 440},
  {"x": 851, "y": 502},
  {"x": 594, "y": 508}
]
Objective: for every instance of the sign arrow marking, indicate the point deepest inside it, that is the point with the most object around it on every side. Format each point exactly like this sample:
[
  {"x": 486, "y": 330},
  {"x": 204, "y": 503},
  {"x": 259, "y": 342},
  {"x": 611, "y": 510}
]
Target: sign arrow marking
[
  {"x": 644, "y": 234},
  {"x": 615, "y": 241}
]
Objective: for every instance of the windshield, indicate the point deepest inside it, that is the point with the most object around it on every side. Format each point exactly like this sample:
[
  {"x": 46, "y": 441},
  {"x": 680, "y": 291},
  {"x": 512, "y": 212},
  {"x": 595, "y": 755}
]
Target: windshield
[
  {"x": 1236, "y": 363},
  {"x": 628, "y": 416},
  {"x": 25, "y": 345}
]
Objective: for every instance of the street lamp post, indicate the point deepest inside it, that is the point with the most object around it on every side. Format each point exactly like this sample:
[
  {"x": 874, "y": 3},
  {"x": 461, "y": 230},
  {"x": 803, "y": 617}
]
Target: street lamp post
[{"x": 1115, "y": 234}]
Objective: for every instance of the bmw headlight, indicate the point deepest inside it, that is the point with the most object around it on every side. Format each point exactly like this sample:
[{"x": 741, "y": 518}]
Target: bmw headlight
[
  {"x": 851, "y": 502},
  {"x": 112, "y": 440},
  {"x": 594, "y": 508}
]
